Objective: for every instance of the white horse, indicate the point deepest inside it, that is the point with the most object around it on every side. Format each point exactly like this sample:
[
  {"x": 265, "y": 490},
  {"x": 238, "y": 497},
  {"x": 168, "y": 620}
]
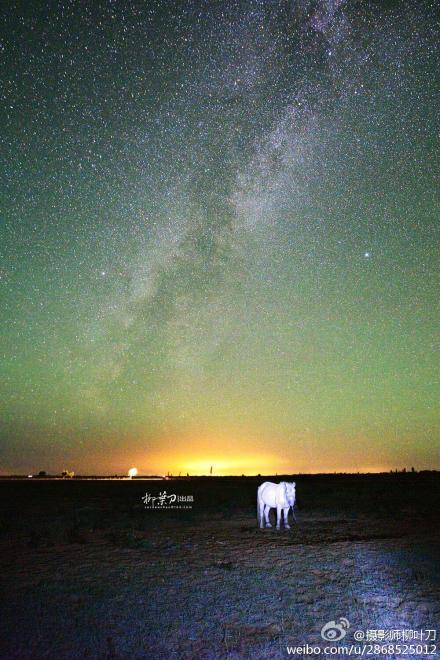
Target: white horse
[{"x": 279, "y": 496}]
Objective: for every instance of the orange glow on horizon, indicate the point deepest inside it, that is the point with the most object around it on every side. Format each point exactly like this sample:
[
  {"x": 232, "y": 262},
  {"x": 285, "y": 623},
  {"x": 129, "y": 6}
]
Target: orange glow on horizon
[
  {"x": 233, "y": 465},
  {"x": 233, "y": 452},
  {"x": 243, "y": 466}
]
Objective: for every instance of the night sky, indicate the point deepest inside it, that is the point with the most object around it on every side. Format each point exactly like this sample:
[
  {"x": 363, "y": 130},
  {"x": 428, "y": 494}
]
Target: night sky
[{"x": 219, "y": 236}]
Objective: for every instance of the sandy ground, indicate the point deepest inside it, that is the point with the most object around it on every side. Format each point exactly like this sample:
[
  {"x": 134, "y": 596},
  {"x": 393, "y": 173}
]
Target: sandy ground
[{"x": 213, "y": 585}]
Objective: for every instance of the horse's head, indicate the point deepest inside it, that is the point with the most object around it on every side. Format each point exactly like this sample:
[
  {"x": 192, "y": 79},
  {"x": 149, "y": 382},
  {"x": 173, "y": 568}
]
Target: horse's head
[{"x": 290, "y": 492}]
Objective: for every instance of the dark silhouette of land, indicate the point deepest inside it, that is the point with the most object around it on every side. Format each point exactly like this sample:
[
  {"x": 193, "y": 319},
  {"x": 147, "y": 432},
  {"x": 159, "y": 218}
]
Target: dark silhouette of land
[{"x": 88, "y": 570}]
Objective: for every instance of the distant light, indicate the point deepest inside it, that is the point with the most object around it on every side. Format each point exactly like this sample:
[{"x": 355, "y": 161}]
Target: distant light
[
  {"x": 367, "y": 254},
  {"x": 30, "y": 476},
  {"x": 132, "y": 472}
]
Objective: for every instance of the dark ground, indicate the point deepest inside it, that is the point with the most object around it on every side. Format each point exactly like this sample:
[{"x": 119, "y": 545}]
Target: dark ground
[{"x": 88, "y": 572}]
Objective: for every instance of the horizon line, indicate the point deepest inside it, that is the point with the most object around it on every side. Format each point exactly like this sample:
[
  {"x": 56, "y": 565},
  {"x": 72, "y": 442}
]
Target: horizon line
[{"x": 170, "y": 477}]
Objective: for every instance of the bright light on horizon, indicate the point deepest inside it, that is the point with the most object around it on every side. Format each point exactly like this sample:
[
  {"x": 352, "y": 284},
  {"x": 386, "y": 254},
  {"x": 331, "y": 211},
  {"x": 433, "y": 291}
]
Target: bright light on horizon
[
  {"x": 223, "y": 466},
  {"x": 132, "y": 472}
]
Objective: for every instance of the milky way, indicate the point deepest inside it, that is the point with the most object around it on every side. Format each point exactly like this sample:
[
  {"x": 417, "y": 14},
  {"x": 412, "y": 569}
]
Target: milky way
[{"x": 219, "y": 236}]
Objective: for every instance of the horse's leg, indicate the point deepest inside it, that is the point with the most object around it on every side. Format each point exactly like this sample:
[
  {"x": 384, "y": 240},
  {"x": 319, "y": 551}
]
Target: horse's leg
[
  {"x": 286, "y": 517},
  {"x": 266, "y": 515},
  {"x": 261, "y": 511},
  {"x": 278, "y": 516}
]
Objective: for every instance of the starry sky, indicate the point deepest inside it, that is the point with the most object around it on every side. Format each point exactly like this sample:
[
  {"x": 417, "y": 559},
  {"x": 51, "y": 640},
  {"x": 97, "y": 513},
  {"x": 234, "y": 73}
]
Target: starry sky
[{"x": 219, "y": 236}]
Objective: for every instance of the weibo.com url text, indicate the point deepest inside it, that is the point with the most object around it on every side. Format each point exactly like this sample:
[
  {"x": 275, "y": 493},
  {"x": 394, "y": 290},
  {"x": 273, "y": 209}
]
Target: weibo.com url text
[{"x": 364, "y": 650}]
